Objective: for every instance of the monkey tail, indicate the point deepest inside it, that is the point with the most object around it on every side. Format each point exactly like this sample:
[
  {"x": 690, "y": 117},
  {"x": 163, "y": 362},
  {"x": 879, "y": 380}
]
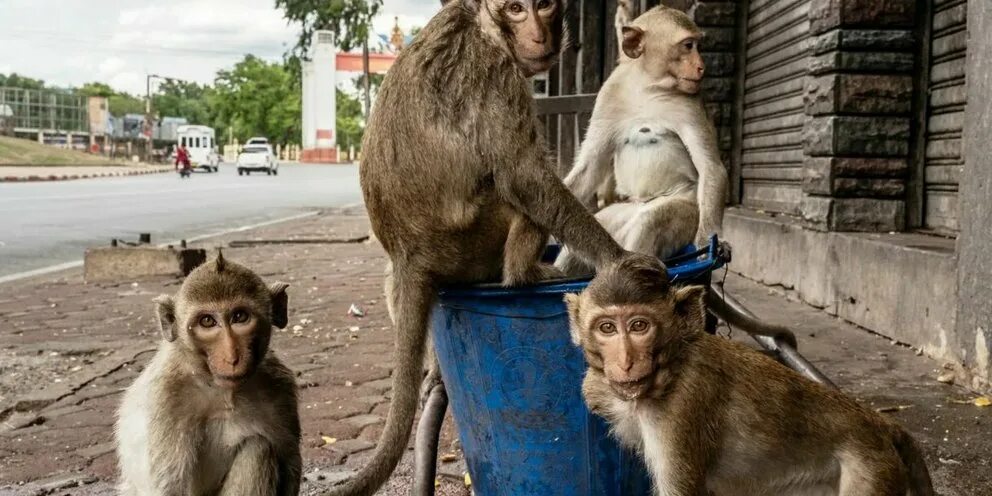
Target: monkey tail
[
  {"x": 413, "y": 299},
  {"x": 916, "y": 467}
]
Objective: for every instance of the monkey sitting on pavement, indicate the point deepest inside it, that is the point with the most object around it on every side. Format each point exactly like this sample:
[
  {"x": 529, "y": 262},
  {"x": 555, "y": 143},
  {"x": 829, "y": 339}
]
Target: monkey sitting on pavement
[
  {"x": 708, "y": 414},
  {"x": 215, "y": 412}
]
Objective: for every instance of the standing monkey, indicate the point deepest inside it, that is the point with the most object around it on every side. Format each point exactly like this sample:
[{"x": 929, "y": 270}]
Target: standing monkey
[
  {"x": 457, "y": 183},
  {"x": 215, "y": 412},
  {"x": 708, "y": 414},
  {"x": 651, "y": 141}
]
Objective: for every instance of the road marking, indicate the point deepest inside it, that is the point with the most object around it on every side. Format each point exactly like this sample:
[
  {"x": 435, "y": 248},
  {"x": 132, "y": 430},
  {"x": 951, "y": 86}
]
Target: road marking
[
  {"x": 78, "y": 263},
  {"x": 120, "y": 194},
  {"x": 41, "y": 271}
]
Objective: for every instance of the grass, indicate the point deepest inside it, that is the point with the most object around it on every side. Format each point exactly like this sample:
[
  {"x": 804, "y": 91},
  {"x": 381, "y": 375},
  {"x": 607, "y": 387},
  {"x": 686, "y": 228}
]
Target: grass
[{"x": 15, "y": 151}]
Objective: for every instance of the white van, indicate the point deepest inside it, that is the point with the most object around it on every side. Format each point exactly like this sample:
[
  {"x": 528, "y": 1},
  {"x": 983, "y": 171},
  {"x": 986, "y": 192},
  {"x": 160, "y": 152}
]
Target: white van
[{"x": 199, "y": 140}]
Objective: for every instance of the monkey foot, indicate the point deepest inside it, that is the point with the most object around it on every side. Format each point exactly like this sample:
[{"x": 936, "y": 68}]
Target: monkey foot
[{"x": 432, "y": 378}]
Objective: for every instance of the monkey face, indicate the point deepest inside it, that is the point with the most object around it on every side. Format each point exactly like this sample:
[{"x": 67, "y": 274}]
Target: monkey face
[
  {"x": 233, "y": 339},
  {"x": 625, "y": 337},
  {"x": 533, "y": 29},
  {"x": 627, "y": 318},
  {"x": 224, "y": 314},
  {"x": 666, "y": 43},
  {"x": 686, "y": 64}
]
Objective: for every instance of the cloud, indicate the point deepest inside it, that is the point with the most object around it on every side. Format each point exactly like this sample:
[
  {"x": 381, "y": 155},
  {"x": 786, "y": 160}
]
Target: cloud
[
  {"x": 69, "y": 43},
  {"x": 205, "y": 28},
  {"x": 111, "y": 66}
]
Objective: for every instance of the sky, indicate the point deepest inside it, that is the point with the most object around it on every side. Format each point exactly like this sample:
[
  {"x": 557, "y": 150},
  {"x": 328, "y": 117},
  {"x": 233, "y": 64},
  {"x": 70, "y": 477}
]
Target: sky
[{"x": 71, "y": 42}]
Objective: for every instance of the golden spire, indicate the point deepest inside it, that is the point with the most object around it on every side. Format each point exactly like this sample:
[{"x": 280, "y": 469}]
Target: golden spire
[{"x": 396, "y": 40}]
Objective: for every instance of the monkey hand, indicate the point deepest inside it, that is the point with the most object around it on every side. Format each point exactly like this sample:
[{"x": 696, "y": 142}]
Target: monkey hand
[{"x": 703, "y": 236}]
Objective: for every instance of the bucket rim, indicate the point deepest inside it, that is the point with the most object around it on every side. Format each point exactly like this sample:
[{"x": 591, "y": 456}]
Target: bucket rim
[{"x": 679, "y": 268}]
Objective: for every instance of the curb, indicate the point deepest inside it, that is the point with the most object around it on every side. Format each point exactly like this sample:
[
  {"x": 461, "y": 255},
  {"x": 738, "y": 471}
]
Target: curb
[{"x": 69, "y": 177}]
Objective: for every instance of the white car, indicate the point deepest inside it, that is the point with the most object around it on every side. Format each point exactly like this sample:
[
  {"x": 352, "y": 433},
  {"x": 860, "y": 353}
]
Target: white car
[{"x": 257, "y": 158}]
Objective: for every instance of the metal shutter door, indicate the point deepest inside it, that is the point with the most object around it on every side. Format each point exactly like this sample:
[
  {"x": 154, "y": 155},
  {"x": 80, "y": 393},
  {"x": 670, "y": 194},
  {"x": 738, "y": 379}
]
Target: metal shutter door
[
  {"x": 778, "y": 46},
  {"x": 945, "y": 107}
]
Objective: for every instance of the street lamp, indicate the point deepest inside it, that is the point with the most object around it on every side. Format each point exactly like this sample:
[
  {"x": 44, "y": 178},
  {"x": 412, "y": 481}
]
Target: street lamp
[{"x": 147, "y": 131}]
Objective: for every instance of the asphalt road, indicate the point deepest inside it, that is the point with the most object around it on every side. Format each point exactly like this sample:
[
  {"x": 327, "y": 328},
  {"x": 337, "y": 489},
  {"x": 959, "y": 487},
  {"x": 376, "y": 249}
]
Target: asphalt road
[{"x": 49, "y": 223}]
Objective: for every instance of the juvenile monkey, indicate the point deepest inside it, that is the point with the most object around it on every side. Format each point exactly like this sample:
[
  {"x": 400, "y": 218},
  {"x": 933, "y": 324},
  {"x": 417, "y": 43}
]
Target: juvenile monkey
[
  {"x": 708, "y": 414},
  {"x": 215, "y": 412},
  {"x": 651, "y": 142},
  {"x": 457, "y": 181}
]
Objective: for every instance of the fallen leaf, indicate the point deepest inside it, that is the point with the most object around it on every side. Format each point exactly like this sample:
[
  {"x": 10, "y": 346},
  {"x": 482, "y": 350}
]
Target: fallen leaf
[
  {"x": 437, "y": 483},
  {"x": 468, "y": 480},
  {"x": 983, "y": 401},
  {"x": 448, "y": 457},
  {"x": 354, "y": 311},
  {"x": 329, "y": 440}
]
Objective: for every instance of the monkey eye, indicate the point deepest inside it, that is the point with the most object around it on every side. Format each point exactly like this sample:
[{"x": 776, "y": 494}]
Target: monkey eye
[
  {"x": 516, "y": 8},
  {"x": 607, "y": 328},
  {"x": 689, "y": 44},
  {"x": 239, "y": 317},
  {"x": 543, "y": 4},
  {"x": 639, "y": 326},
  {"x": 207, "y": 321}
]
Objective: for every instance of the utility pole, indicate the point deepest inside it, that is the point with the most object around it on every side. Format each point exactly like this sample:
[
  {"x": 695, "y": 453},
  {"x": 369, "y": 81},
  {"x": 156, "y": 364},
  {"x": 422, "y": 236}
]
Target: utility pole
[
  {"x": 365, "y": 69},
  {"x": 147, "y": 128}
]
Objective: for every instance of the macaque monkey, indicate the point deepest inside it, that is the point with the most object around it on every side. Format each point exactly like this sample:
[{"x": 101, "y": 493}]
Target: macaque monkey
[
  {"x": 650, "y": 143},
  {"x": 215, "y": 410},
  {"x": 457, "y": 181},
  {"x": 708, "y": 414}
]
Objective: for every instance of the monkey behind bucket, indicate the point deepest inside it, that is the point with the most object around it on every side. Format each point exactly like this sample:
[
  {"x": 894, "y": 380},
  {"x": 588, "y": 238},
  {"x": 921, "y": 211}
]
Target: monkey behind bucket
[
  {"x": 708, "y": 414},
  {"x": 214, "y": 412}
]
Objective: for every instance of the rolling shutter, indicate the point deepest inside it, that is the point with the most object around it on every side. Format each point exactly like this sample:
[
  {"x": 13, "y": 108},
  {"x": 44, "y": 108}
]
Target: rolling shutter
[
  {"x": 946, "y": 102},
  {"x": 778, "y": 48}
]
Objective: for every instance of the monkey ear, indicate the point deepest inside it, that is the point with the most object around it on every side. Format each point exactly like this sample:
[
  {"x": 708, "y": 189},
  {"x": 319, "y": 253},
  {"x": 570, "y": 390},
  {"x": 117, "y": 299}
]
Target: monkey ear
[
  {"x": 690, "y": 303},
  {"x": 280, "y": 304},
  {"x": 165, "y": 307},
  {"x": 572, "y": 303},
  {"x": 633, "y": 41}
]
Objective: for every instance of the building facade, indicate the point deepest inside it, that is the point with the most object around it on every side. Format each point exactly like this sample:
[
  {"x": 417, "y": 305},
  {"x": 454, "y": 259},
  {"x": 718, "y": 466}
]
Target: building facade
[{"x": 856, "y": 134}]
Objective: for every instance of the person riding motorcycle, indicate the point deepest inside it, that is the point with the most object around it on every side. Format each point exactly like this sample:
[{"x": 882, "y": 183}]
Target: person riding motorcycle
[{"x": 182, "y": 158}]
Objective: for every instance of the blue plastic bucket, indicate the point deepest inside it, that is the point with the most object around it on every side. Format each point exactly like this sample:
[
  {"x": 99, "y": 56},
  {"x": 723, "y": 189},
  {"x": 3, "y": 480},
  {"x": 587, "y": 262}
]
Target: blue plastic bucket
[{"x": 514, "y": 380}]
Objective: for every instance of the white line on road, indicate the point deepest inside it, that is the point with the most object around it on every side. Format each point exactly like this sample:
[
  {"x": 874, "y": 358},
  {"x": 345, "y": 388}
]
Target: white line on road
[
  {"x": 78, "y": 263},
  {"x": 122, "y": 193}
]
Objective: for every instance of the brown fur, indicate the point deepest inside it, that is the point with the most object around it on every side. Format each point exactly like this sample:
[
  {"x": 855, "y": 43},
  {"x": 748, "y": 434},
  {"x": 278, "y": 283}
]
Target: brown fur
[
  {"x": 709, "y": 414},
  {"x": 458, "y": 187},
  {"x": 215, "y": 412}
]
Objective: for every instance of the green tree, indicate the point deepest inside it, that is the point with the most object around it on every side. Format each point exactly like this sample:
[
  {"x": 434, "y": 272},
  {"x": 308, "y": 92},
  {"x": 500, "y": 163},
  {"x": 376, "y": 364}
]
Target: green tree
[
  {"x": 176, "y": 98},
  {"x": 257, "y": 98},
  {"x": 347, "y": 19},
  {"x": 349, "y": 122},
  {"x": 96, "y": 89},
  {"x": 15, "y": 80}
]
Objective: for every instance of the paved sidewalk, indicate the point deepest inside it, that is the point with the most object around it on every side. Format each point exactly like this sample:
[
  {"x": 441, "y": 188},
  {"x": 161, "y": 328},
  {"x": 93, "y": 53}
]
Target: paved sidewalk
[
  {"x": 11, "y": 173},
  {"x": 68, "y": 348}
]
